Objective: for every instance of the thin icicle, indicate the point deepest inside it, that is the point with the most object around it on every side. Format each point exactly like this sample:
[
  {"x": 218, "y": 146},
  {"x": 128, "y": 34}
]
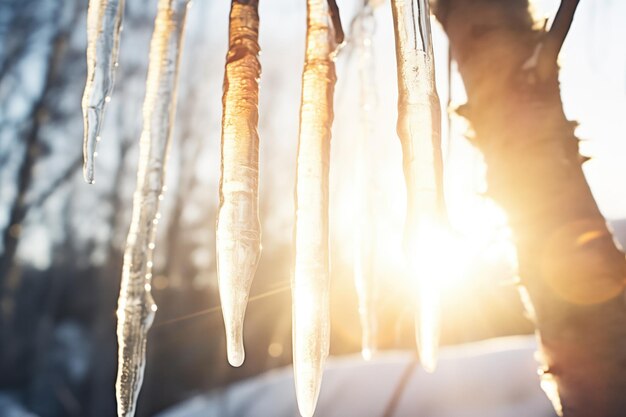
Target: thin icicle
[
  {"x": 310, "y": 285},
  {"x": 136, "y": 308},
  {"x": 104, "y": 25},
  {"x": 364, "y": 277},
  {"x": 427, "y": 263},
  {"x": 238, "y": 227},
  {"x": 419, "y": 129}
]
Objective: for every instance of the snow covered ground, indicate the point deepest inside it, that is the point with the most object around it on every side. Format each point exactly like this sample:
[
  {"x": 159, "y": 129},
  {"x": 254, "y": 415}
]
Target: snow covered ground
[{"x": 495, "y": 378}]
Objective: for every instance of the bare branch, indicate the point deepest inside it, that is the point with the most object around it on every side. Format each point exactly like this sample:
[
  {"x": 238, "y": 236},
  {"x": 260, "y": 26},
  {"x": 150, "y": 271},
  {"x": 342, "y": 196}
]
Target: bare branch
[
  {"x": 71, "y": 169},
  {"x": 554, "y": 39},
  {"x": 336, "y": 19},
  {"x": 562, "y": 23}
]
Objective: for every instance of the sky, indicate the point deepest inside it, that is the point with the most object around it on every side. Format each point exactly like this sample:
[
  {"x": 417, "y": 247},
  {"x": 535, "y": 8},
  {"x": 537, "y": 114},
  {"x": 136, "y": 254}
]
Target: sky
[{"x": 593, "y": 78}]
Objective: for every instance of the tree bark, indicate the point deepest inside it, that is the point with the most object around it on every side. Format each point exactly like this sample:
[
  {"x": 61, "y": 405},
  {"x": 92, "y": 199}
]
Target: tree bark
[{"x": 569, "y": 265}]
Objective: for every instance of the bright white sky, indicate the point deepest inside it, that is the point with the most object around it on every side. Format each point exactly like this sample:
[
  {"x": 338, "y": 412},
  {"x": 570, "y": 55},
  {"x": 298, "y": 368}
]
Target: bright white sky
[{"x": 593, "y": 80}]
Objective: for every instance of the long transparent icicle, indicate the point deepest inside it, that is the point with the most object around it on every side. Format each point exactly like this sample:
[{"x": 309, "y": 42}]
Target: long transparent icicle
[
  {"x": 364, "y": 277},
  {"x": 238, "y": 227},
  {"x": 419, "y": 129},
  {"x": 136, "y": 307},
  {"x": 104, "y": 25},
  {"x": 311, "y": 281}
]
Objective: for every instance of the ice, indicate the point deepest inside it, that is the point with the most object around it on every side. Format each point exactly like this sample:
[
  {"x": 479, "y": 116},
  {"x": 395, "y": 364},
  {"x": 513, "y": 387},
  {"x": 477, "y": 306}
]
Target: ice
[
  {"x": 310, "y": 285},
  {"x": 238, "y": 228},
  {"x": 136, "y": 308},
  {"x": 363, "y": 29},
  {"x": 104, "y": 26},
  {"x": 419, "y": 129}
]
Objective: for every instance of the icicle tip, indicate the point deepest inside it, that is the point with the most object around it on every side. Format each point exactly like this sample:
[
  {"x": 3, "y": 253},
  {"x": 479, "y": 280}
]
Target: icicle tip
[
  {"x": 236, "y": 356},
  {"x": 88, "y": 175},
  {"x": 430, "y": 368},
  {"x": 428, "y": 363},
  {"x": 306, "y": 407},
  {"x": 308, "y": 380},
  {"x": 367, "y": 354},
  {"x": 234, "y": 347}
]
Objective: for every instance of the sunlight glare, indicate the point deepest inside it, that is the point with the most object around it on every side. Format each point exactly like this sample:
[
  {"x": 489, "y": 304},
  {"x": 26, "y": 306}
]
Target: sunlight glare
[{"x": 430, "y": 265}]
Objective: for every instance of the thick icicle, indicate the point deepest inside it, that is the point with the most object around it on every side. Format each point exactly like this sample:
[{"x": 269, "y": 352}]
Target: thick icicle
[
  {"x": 136, "y": 308},
  {"x": 419, "y": 129},
  {"x": 364, "y": 277},
  {"x": 310, "y": 285},
  {"x": 238, "y": 227},
  {"x": 104, "y": 25}
]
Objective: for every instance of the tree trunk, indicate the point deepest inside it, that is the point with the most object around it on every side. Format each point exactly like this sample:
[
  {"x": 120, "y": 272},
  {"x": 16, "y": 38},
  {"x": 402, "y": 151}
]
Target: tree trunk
[{"x": 569, "y": 266}]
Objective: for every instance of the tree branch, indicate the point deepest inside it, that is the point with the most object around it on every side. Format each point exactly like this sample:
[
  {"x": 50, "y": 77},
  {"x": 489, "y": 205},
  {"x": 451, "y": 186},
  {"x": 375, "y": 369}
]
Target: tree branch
[
  {"x": 72, "y": 168},
  {"x": 562, "y": 23},
  {"x": 553, "y": 41},
  {"x": 336, "y": 20}
]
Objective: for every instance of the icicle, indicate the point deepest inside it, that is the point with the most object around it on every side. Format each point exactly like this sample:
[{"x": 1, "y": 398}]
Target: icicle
[
  {"x": 364, "y": 278},
  {"x": 136, "y": 307},
  {"x": 427, "y": 259},
  {"x": 104, "y": 24},
  {"x": 238, "y": 227},
  {"x": 419, "y": 129},
  {"x": 310, "y": 285}
]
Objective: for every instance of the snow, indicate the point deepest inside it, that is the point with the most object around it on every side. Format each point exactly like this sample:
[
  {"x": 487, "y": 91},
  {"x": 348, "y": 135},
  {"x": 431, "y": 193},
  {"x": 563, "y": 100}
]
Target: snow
[
  {"x": 11, "y": 406},
  {"x": 495, "y": 378}
]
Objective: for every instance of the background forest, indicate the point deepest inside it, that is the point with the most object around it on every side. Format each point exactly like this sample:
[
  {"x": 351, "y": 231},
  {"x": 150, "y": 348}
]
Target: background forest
[{"x": 62, "y": 240}]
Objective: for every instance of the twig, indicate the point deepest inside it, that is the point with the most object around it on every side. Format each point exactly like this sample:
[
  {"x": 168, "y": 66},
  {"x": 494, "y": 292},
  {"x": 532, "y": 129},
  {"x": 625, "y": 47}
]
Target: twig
[
  {"x": 553, "y": 41},
  {"x": 336, "y": 19},
  {"x": 396, "y": 396},
  {"x": 562, "y": 23},
  {"x": 70, "y": 170}
]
